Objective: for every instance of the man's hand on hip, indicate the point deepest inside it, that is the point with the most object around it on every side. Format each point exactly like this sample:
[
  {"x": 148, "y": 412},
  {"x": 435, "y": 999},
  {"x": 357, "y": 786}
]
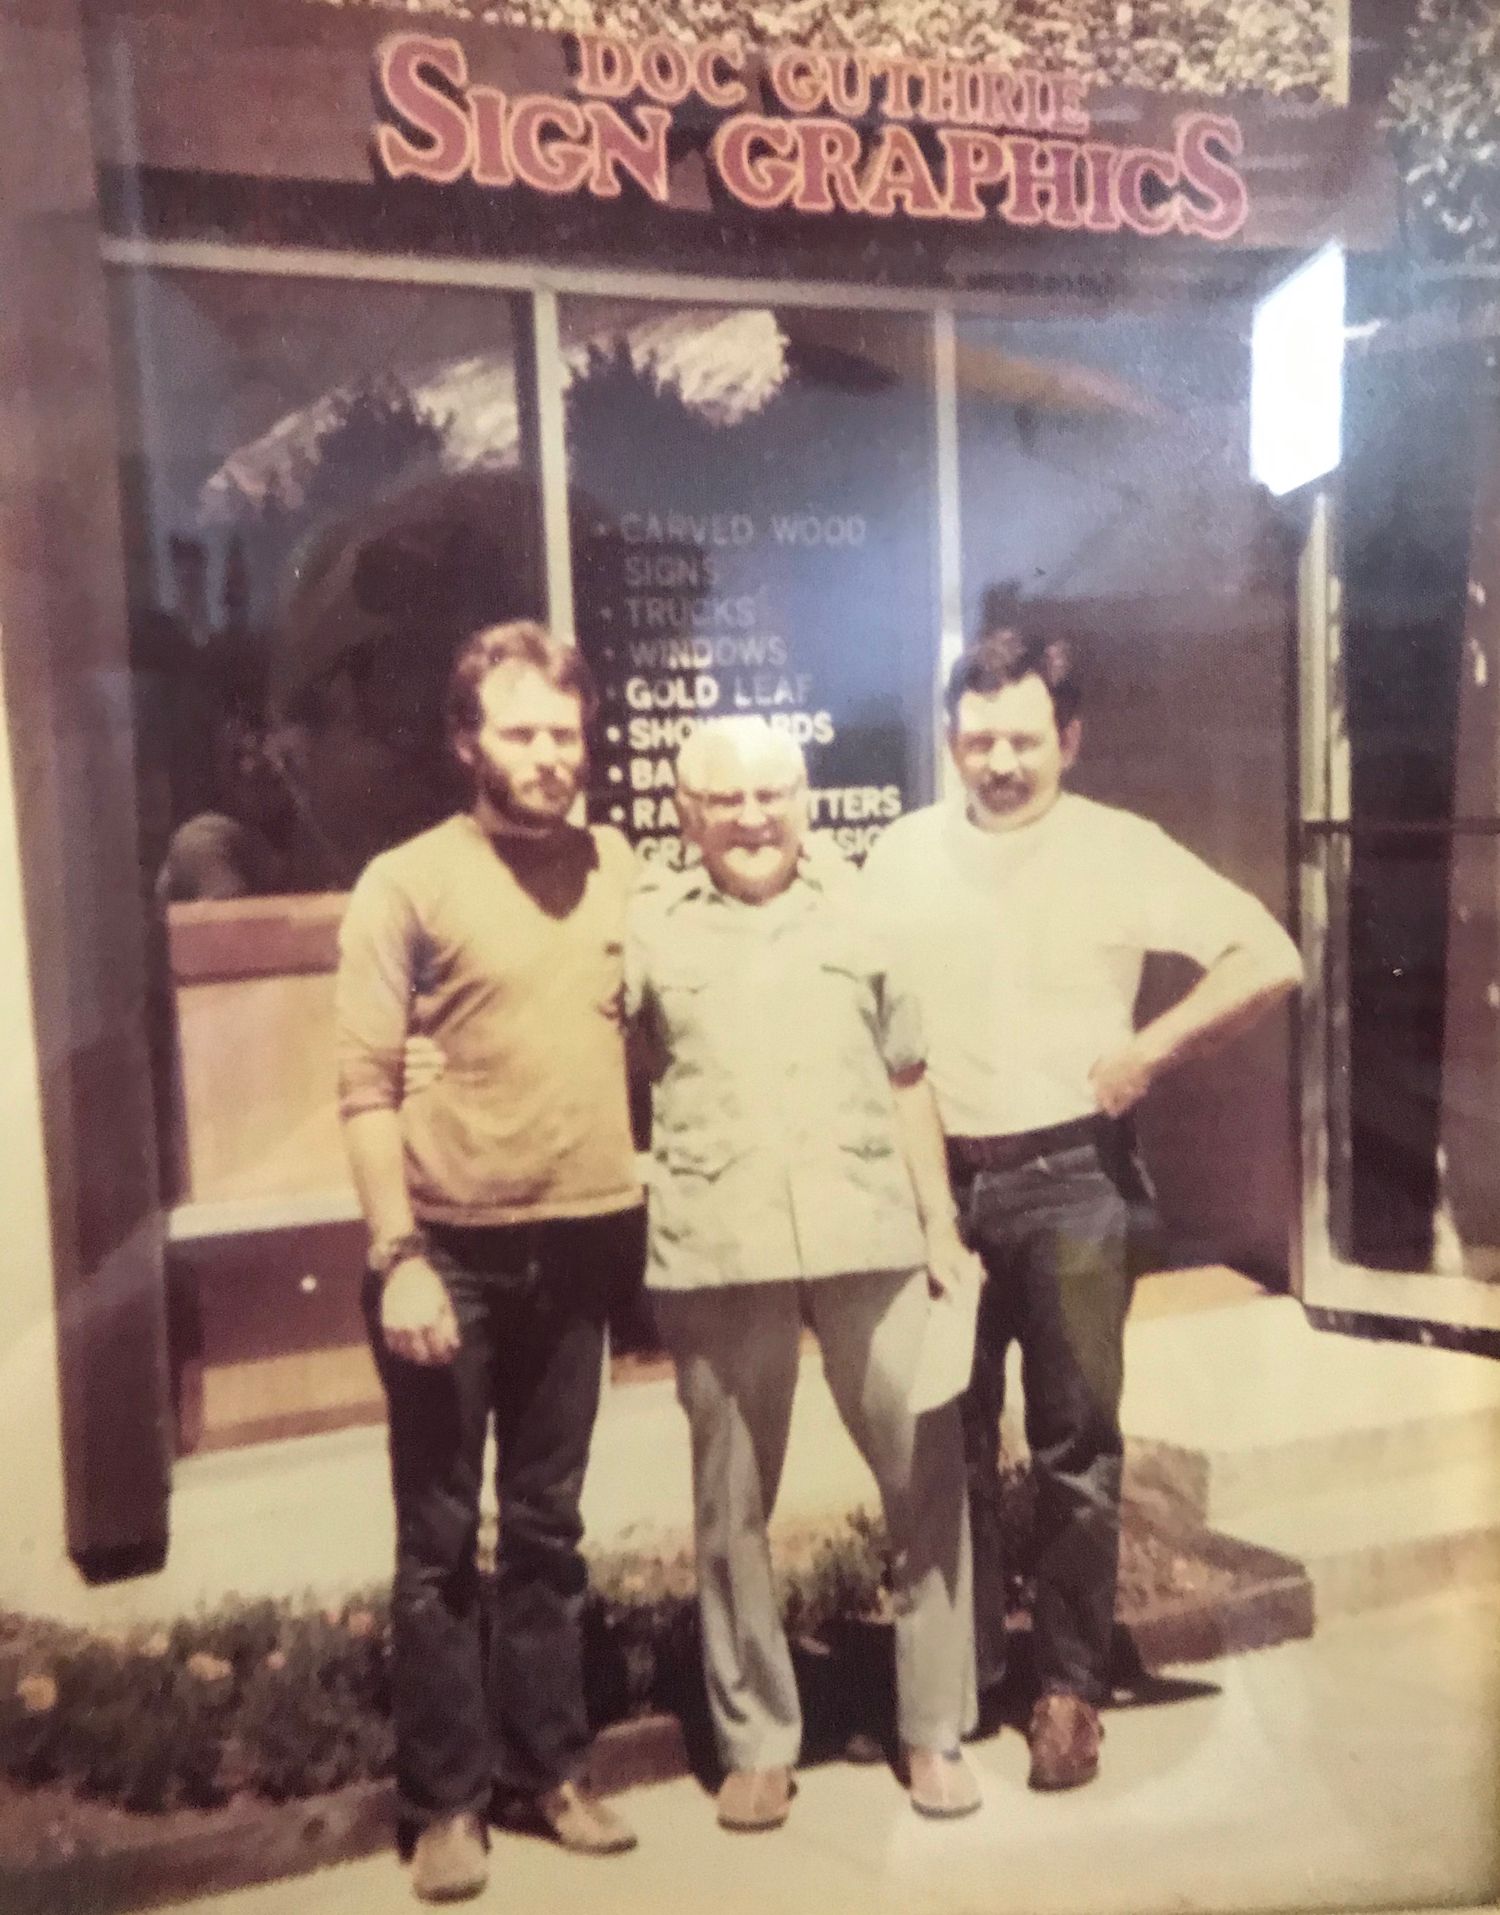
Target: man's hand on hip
[
  {"x": 416, "y": 1314},
  {"x": 1122, "y": 1079}
]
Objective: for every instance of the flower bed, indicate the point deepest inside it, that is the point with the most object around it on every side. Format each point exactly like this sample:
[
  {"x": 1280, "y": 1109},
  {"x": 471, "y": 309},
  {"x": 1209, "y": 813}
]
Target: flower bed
[
  {"x": 259, "y": 1697},
  {"x": 278, "y": 1701}
]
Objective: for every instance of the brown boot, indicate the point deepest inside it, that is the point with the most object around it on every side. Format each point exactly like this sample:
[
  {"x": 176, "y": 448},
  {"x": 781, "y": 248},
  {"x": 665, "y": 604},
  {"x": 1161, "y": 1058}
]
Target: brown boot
[
  {"x": 448, "y": 1863},
  {"x": 1064, "y": 1735},
  {"x": 752, "y": 1799}
]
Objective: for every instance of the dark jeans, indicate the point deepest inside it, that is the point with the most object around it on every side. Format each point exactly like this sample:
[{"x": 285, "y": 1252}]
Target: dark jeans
[
  {"x": 1053, "y": 1235},
  {"x": 479, "y": 1700}
]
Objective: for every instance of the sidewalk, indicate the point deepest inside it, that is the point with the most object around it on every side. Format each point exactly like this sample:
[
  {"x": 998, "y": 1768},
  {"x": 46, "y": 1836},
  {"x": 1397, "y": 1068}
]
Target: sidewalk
[
  {"x": 1357, "y": 1769},
  {"x": 1215, "y": 1368}
]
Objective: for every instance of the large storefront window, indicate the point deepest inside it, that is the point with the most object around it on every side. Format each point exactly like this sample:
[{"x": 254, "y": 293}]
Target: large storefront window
[
  {"x": 797, "y": 510},
  {"x": 330, "y": 481}
]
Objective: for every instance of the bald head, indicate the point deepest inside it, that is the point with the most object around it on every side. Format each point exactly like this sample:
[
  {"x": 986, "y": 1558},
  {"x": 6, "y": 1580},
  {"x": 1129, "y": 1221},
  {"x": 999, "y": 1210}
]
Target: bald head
[
  {"x": 738, "y": 748},
  {"x": 742, "y": 793}
]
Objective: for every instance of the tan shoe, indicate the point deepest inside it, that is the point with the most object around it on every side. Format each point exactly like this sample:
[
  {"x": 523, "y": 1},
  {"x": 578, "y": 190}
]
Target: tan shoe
[
  {"x": 752, "y": 1799},
  {"x": 449, "y": 1862},
  {"x": 941, "y": 1782},
  {"x": 580, "y": 1821},
  {"x": 1064, "y": 1735}
]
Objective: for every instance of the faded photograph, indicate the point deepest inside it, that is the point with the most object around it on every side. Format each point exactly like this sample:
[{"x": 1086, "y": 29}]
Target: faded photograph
[{"x": 750, "y": 829}]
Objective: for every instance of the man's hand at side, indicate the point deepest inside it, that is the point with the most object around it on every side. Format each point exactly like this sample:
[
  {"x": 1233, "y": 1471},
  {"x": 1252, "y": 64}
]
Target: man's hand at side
[
  {"x": 416, "y": 1314},
  {"x": 951, "y": 1265}
]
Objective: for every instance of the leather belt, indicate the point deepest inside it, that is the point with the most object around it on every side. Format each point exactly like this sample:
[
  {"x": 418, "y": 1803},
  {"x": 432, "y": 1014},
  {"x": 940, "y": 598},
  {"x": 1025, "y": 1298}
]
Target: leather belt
[{"x": 1107, "y": 1134}]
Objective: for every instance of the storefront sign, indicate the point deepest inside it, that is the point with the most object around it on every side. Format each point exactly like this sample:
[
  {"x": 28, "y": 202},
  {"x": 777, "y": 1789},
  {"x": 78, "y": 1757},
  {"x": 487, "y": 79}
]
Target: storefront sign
[
  {"x": 813, "y": 132},
  {"x": 595, "y": 146}
]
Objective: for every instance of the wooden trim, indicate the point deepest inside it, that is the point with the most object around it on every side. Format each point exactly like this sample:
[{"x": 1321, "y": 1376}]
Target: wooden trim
[
  {"x": 1163, "y": 288},
  {"x": 552, "y": 447},
  {"x": 65, "y": 667},
  {"x": 191, "y": 1223},
  {"x": 223, "y": 939}
]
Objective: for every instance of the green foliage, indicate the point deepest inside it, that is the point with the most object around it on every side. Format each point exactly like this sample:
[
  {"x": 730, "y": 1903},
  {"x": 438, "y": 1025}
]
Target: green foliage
[
  {"x": 371, "y": 436},
  {"x": 315, "y": 1711},
  {"x": 257, "y": 1697},
  {"x": 640, "y": 1635},
  {"x": 846, "y": 1576},
  {"x": 282, "y": 1702},
  {"x": 1445, "y": 117}
]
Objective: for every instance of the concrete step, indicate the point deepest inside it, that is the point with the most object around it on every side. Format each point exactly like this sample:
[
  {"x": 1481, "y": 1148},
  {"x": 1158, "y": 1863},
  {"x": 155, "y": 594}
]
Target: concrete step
[
  {"x": 1367, "y": 1455},
  {"x": 1390, "y": 1538},
  {"x": 1376, "y": 1465},
  {"x": 1239, "y": 1377},
  {"x": 1243, "y": 1406},
  {"x": 1226, "y": 1490}
]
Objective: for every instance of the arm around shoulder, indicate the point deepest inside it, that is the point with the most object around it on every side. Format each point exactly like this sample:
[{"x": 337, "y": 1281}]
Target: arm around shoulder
[
  {"x": 373, "y": 991},
  {"x": 371, "y": 998}
]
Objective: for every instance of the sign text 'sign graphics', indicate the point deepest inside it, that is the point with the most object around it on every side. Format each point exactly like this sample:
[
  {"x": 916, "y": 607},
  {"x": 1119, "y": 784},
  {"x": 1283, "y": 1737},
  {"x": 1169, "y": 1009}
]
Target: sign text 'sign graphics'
[{"x": 808, "y": 131}]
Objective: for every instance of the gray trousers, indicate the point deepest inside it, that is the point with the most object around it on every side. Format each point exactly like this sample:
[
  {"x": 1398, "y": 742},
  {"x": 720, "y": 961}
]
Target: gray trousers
[{"x": 736, "y": 1353}]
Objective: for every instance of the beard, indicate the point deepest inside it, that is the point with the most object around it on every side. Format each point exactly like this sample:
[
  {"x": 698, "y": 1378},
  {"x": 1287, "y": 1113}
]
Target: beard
[
  {"x": 760, "y": 868},
  {"x": 539, "y": 802}
]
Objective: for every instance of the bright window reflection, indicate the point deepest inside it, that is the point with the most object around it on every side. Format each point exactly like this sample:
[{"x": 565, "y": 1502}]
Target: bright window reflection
[{"x": 1297, "y": 375}]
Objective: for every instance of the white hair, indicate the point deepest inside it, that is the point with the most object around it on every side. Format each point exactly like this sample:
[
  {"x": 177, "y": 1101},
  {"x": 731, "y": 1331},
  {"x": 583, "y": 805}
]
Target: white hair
[{"x": 745, "y": 740}]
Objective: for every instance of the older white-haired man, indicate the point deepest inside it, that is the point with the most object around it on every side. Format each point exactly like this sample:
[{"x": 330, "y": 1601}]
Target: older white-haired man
[{"x": 798, "y": 1178}]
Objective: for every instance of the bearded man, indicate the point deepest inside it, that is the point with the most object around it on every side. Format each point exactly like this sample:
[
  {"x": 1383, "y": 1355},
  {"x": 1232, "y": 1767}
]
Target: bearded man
[{"x": 502, "y": 1200}]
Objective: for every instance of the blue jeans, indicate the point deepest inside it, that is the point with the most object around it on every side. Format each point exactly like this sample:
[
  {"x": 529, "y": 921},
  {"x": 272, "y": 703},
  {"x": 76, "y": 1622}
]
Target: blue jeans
[
  {"x": 490, "y": 1694},
  {"x": 1053, "y": 1235}
]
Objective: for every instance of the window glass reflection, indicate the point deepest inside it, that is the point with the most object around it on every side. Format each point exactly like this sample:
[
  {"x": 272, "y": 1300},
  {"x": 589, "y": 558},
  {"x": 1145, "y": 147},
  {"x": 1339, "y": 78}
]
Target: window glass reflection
[
  {"x": 1415, "y": 975},
  {"x": 1106, "y": 498},
  {"x": 325, "y": 493}
]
